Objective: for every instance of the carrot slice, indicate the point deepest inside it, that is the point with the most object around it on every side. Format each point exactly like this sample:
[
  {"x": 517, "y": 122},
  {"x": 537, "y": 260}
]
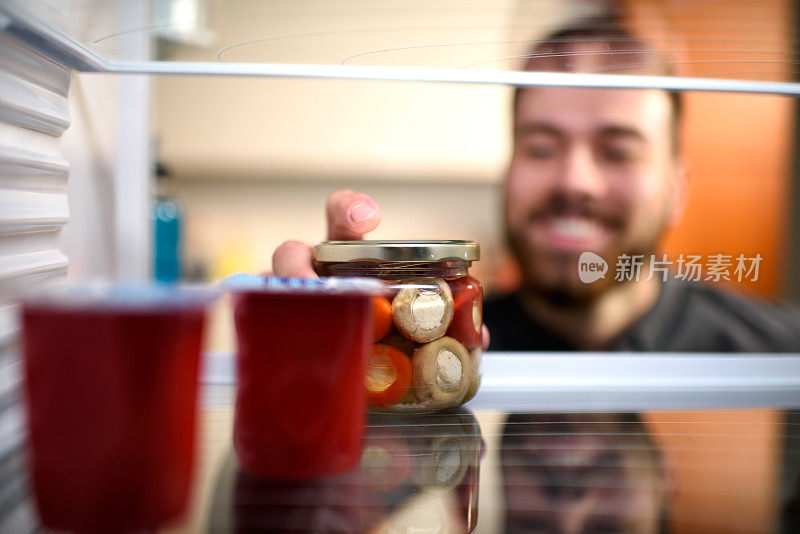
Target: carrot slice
[
  {"x": 382, "y": 317},
  {"x": 388, "y": 375},
  {"x": 385, "y": 462}
]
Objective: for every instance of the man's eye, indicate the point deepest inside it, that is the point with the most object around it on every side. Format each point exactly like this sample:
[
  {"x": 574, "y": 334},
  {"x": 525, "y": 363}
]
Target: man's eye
[
  {"x": 539, "y": 151},
  {"x": 620, "y": 154}
]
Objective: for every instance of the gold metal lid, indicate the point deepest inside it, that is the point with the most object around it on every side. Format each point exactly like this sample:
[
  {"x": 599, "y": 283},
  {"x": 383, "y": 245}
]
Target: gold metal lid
[{"x": 397, "y": 251}]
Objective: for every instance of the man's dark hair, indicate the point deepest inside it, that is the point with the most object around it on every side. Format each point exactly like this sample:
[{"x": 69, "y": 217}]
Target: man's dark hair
[{"x": 620, "y": 52}]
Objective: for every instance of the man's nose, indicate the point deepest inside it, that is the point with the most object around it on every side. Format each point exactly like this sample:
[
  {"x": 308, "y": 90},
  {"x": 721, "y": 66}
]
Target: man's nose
[{"x": 581, "y": 175}]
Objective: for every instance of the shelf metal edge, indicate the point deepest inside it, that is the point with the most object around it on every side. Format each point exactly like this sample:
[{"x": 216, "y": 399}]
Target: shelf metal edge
[
  {"x": 572, "y": 381},
  {"x": 20, "y": 23},
  {"x": 637, "y": 381},
  {"x": 422, "y": 74}
]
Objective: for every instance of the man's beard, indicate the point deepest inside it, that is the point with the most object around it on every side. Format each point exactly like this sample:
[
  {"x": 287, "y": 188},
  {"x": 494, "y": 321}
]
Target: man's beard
[{"x": 566, "y": 291}]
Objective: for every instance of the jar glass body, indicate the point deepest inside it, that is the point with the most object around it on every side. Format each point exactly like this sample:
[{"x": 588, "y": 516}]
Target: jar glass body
[{"x": 427, "y": 333}]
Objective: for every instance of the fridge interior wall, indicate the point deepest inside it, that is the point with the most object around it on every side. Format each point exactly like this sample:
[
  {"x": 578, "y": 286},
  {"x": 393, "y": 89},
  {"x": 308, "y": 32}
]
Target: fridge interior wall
[{"x": 33, "y": 208}]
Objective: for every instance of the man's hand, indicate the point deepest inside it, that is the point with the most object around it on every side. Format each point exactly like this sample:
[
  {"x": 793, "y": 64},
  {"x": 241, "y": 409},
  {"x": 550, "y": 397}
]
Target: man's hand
[{"x": 350, "y": 215}]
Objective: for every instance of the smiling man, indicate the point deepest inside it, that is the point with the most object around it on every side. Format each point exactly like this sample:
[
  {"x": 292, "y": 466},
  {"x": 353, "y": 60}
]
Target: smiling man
[
  {"x": 594, "y": 170},
  {"x": 598, "y": 172}
]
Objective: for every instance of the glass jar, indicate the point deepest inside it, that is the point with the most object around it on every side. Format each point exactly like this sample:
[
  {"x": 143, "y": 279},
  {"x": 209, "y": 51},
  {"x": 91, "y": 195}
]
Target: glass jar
[
  {"x": 409, "y": 459},
  {"x": 428, "y": 332}
]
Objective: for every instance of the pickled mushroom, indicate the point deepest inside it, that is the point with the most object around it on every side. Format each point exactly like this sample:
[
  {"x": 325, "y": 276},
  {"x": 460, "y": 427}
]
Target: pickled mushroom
[
  {"x": 442, "y": 371},
  {"x": 448, "y": 464},
  {"x": 475, "y": 377},
  {"x": 423, "y": 314}
]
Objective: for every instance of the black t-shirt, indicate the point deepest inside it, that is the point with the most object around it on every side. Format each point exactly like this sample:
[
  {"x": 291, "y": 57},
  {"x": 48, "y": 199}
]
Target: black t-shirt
[{"x": 687, "y": 317}]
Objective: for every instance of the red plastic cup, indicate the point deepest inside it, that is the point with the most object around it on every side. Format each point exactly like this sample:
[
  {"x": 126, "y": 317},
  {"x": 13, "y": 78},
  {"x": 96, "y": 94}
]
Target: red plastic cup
[
  {"x": 302, "y": 352},
  {"x": 111, "y": 387}
]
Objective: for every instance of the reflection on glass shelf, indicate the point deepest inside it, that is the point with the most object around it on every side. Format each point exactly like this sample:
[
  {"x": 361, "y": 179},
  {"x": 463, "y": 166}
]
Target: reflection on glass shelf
[
  {"x": 655, "y": 472},
  {"x": 584, "y": 473},
  {"x": 535, "y": 472},
  {"x": 709, "y": 470},
  {"x": 417, "y": 473}
]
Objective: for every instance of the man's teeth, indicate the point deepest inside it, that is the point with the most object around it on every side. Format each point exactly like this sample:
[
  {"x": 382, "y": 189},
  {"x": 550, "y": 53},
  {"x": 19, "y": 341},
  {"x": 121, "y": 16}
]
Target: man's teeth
[{"x": 575, "y": 227}]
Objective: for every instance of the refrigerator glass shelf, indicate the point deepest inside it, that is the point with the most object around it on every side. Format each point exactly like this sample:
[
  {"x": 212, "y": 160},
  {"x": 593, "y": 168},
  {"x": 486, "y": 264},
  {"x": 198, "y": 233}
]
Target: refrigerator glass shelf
[
  {"x": 733, "y": 47},
  {"x": 603, "y": 381}
]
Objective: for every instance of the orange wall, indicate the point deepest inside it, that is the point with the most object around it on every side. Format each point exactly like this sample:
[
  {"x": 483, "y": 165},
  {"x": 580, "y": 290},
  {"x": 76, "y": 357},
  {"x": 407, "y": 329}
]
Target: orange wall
[
  {"x": 724, "y": 468},
  {"x": 737, "y": 147},
  {"x": 738, "y": 151}
]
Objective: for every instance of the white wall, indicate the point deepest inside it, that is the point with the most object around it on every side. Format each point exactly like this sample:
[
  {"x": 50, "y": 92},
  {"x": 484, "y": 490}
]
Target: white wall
[
  {"x": 313, "y": 128},
  {"x": 108, "y": 234},
  {"x": 237, "y": 226},
  {"x": 90, "y": 147},
  {"x": 222, "y": 128},
  {"x": 108, "y": 149}
]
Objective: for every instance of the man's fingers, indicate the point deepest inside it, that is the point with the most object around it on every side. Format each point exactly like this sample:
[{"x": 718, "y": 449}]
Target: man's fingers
[
  {"x": 293, "y": 260},
  {"x": 351, "y": 215},
  {"x": 485, "y": 337}
]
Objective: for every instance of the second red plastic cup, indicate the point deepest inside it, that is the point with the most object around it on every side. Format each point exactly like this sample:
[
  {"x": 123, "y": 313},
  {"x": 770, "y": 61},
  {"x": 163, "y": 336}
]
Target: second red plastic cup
[{"x": 302, "y": 349}]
